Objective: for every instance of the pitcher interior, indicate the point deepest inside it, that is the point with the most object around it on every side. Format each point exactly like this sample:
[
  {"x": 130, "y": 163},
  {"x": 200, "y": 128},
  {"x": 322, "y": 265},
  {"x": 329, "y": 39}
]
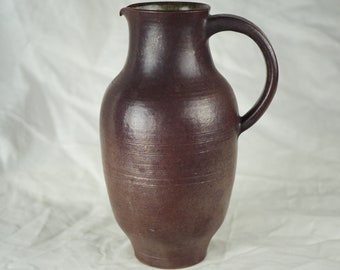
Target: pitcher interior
[{"x": 170, "y": 6}]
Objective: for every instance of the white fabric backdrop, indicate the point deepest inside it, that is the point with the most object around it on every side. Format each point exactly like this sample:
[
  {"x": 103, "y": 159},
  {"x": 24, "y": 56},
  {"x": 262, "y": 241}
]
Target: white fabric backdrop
[{"x": 56, "y": 59}]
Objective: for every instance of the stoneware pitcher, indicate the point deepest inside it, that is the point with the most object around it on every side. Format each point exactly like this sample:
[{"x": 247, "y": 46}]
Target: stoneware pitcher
[{"x": 169, "y": 126}]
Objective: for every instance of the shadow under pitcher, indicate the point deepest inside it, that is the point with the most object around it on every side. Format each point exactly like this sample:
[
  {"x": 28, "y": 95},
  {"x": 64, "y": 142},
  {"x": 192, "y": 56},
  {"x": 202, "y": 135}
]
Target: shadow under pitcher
[{"x": 169, "y": 126}]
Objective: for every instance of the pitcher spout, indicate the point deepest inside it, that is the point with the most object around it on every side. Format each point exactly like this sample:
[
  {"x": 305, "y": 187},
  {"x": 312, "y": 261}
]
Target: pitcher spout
[{"x": 122, "y": 11}]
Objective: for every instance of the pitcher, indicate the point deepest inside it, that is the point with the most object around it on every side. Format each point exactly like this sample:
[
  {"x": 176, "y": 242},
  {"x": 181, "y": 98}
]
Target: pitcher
[{"x": 169, "y": 128}]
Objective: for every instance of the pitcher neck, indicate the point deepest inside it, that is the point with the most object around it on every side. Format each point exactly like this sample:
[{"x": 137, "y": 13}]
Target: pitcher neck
[{"x": 167, "y": 42}]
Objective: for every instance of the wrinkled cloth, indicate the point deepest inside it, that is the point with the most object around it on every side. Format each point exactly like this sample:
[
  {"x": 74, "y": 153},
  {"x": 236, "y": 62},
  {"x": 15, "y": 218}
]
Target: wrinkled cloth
[{"x": 57, "y": 58}]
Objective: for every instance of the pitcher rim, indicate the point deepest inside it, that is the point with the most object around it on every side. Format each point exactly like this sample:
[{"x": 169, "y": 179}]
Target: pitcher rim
[{"x": 187, "y": 7}]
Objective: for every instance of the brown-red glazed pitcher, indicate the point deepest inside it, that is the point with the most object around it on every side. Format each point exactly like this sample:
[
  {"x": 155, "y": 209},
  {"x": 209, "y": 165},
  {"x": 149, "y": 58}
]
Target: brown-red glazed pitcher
[{"x": 169, "y": 128}]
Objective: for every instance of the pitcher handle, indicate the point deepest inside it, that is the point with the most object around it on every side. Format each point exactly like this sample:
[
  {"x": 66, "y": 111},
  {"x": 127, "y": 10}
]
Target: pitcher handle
[{"x": 226, "y": 22}]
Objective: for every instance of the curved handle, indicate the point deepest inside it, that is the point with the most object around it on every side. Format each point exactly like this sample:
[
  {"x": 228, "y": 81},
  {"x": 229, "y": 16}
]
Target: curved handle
[{"x": 218, "y": 23}]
